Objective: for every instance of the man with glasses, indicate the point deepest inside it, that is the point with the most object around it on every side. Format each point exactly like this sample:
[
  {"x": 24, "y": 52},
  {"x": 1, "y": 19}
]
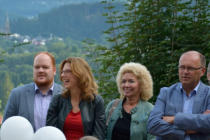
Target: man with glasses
[{"x": 182, "y": 111}]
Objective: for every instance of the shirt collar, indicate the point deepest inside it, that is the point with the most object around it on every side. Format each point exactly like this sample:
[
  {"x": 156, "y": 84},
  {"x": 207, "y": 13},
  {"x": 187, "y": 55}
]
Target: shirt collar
[
  {"x": 194, "y": 90},
  {"x": 49, "y": 92},
  {"x": 134, "y": 110}
]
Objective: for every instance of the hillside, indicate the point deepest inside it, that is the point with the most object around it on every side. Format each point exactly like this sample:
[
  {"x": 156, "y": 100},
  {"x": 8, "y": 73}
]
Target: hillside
[{"x": 78, "y": 21}]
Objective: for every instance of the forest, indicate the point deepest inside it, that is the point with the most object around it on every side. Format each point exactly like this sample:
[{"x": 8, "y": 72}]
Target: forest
[
  {"x": 152, "y": 32},
  {"x": 16, "y": 66},
  {"x": 77, "y": 21}
]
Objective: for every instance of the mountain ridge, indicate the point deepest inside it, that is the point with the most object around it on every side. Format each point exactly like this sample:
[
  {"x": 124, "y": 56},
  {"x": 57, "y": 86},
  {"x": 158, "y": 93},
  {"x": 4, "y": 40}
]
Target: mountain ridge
[
  {"x": 77, "y": 21},
  {"x": 30, "y": 8}
]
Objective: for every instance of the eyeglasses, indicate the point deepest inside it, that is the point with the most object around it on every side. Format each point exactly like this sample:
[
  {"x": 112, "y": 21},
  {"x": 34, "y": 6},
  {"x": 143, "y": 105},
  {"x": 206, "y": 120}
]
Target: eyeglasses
[
  {"x": 190, "y": 69},
  {"x": 66, "y": 72}
]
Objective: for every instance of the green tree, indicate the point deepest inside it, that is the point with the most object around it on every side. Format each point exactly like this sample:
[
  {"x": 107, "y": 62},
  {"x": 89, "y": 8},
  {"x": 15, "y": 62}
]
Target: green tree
[
  {"x": 6, "y": 86},
  {"x": 154, "y": 33}
]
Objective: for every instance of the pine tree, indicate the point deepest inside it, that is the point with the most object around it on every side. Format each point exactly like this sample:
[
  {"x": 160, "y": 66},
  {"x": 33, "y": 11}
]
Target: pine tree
[
  {"x": 154, "y": 33},
  {"x": 6, "y": 86}
]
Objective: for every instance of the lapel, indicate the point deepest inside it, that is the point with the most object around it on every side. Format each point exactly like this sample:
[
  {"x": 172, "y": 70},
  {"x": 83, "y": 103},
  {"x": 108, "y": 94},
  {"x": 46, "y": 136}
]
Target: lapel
[
  {"x": 139, "y": 107},
  {"x": 178, "y": 98},
  {"x": 199, "y": 99},
  {"x": 117, "y": 111},
  {"x": 30, "y": 95}
]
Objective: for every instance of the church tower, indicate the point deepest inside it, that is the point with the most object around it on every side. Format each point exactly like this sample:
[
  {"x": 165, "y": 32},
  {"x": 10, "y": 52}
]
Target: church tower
[{"x": 7, "y": 25}]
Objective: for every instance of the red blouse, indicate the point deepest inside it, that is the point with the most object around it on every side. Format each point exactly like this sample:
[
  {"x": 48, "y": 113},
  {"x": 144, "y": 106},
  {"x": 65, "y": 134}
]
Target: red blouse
[{"x": 73, "y": 127}]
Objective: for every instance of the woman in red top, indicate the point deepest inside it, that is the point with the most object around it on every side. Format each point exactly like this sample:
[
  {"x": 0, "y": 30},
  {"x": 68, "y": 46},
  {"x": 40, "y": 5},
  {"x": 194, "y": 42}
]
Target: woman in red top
[{"x": 78, "y": 111}]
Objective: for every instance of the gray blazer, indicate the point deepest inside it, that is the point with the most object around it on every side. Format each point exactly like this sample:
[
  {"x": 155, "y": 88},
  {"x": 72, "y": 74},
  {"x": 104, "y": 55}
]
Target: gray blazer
[
  {"x": 21, "y": 102},
  {"x": 170, "y": 103}
]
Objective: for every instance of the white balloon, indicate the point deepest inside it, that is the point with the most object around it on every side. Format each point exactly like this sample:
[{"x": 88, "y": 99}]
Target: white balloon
[
  {"x": 48, "y": 133},
  {"x": 16, "y": 128}
]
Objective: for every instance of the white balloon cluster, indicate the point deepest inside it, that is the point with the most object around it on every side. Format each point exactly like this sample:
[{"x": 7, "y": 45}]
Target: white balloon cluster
[
  {"x": 48, "y": 133},
  {"x": 19, "y": 128}
]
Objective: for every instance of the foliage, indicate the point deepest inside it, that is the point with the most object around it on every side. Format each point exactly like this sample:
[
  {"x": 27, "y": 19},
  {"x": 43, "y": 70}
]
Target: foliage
[
  {"x": 154, "y": 33},
  {"x": 77, "y": 21},
  {"x": 17, "y": 69},
  {"x": 5, "y": 86}
]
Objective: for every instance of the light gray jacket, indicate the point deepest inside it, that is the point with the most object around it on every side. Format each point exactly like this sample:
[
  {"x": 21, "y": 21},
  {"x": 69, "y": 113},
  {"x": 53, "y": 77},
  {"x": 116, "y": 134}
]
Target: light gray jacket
[{"x": 21, "y": 102}]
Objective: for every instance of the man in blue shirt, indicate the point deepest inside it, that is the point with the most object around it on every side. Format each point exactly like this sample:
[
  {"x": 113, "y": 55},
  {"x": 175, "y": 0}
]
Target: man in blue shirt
[
  {"x": 32, "y": 100},
  {"x": 178, "y": 109}
]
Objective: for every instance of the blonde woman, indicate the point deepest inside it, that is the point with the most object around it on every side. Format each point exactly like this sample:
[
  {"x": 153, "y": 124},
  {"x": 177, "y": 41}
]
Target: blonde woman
[
  {"x": 78, "y": 111},
  {"x": 129, "y": 118}
]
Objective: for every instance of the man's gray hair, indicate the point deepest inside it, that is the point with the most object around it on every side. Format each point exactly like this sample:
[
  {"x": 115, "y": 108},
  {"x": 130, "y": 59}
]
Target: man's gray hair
[
  {"x": 208, "y": 70},
  {"x": 202, "y": 57}
]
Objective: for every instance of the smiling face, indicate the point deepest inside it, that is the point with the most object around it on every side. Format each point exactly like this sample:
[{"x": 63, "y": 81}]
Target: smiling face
[
  {"x": 43, "y": 70},
  {"x": 68, "y": 78},
  {"x": 130, "y": 85}
]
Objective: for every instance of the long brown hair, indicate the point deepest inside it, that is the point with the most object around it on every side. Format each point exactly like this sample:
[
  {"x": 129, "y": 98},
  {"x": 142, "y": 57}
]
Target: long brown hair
[{"x": 82, "y": 71}]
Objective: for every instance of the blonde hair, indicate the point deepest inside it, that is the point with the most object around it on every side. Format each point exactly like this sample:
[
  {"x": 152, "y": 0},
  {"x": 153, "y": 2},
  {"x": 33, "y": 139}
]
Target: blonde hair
[
  {"x": 143, "y": 76},
  {"x": 82, "y": 71}
]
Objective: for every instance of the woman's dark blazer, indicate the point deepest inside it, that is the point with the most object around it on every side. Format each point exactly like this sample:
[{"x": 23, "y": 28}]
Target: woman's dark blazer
[{"x": 92, "y": 113}]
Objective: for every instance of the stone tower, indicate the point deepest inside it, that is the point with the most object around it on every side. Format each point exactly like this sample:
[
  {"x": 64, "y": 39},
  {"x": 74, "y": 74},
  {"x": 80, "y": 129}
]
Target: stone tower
[{"x": 7, "y": 25}]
